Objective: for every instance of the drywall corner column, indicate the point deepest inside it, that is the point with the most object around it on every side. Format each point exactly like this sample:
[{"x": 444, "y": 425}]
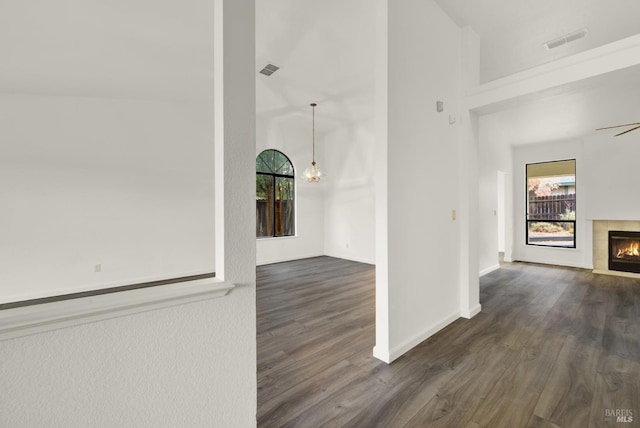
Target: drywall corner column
[
  {"x": 417, "y": 159},
  {"x": 508, "y": 212},
  {"x": 468, "y": 173},
  {"x": 235, "y": 141},
  {"x": 468, "y": 217},
  {"x": 382, "y": 349}
]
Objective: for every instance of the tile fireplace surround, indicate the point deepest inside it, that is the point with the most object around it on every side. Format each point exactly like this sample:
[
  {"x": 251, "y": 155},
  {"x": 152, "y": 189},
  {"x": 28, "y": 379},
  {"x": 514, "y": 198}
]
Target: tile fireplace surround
[{"x": 601, "y": 230}]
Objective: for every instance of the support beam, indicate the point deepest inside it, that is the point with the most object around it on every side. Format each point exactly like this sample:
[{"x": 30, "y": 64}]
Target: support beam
[
  {"x": 235, "y": 146},
  {"x": 468, "y": 176},
  {"x": 569, "y": 70}
]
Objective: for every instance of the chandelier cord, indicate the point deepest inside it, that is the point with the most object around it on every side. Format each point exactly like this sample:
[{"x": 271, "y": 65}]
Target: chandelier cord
[
  {"x": 313, "y": 174},
  {"x": 313, "y": 136}
]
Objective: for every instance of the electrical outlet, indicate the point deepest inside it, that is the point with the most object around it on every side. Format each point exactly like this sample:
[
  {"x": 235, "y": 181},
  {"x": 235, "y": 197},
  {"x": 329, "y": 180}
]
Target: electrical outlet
[
  {"x": 97, "y": 267},
  {"x": 453, "y": 214}
]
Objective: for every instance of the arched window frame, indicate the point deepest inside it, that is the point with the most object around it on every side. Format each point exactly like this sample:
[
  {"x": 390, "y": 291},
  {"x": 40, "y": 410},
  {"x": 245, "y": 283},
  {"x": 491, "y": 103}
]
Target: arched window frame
[{"x": 275, "y": 195}]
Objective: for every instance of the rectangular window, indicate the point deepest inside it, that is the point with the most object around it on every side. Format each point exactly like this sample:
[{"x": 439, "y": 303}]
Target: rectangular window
[
  {"x": 284, "y": 206},
  {"x": 275, "y": 205},
  {"x": 551, "y": 204},
  {"x": 264, "y": 205}
]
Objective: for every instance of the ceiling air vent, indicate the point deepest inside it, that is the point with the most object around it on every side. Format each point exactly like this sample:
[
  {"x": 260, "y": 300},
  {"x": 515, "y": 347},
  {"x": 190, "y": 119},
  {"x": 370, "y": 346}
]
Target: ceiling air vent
[
  {"x": 269, "y": 69},
  {"x": 567, "y": 38}
]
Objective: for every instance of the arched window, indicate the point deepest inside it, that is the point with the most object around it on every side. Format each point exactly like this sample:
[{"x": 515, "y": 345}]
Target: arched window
[{"x": 275, "y": 195}]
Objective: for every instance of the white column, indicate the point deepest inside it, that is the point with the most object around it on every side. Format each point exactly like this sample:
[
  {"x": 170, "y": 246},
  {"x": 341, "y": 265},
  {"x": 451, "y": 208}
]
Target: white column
[
  {"x": 235, "y": 143},
  {"x": 468, "y": 173},
  {"x": 417, "y": 184},
  {"x": 381, "y": 349},
  {"x": 235, "y": 140}
]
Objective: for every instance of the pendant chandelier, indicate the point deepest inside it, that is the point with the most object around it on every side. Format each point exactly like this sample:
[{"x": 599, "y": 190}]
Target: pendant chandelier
[{"x": 313, "y": 173}]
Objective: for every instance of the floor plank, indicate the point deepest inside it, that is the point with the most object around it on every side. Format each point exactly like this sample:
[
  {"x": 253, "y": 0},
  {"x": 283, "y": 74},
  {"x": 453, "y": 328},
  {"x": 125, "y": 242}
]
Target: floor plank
[
  {"x": 552, "y": 347},
  {"x": 567, "y": 396}
]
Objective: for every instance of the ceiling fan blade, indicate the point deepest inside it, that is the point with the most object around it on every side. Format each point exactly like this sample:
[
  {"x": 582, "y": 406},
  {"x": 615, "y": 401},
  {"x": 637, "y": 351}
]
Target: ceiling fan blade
[
  {"x": 628, "y": 130},
  {"x": 618, "y": 126}
]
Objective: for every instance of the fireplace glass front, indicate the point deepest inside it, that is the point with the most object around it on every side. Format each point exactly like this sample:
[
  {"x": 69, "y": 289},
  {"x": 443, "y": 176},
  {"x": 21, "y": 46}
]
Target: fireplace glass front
[{"x": 624, "y": 251}]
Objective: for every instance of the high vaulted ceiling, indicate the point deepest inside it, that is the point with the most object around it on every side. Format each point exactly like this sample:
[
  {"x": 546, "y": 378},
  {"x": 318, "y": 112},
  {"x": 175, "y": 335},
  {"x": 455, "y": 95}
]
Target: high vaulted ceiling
[
  {"x": 513, "y": 32},
  {"x": 512, "y": 35},
  {"x": 326, "y": 51}
]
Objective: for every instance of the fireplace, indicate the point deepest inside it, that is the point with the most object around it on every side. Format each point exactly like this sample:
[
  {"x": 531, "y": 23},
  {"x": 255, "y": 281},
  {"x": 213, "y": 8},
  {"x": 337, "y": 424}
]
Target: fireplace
[{"x": 624, "y": 251}]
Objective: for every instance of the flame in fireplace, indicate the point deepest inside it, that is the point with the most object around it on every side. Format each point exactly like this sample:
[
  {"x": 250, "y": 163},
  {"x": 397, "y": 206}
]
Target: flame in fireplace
[{"x": 632, "y": 250}]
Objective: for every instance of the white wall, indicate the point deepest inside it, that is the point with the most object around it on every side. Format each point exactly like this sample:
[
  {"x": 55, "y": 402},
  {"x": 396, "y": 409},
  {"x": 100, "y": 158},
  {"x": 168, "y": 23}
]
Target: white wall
[
  {"x": 418, "y": 289},
  {"x": 291, "y": 135},
  {"x": 605, "y": 185},
  {"x": 582, "y": 255},
  {"x": 611, "y": 176},
  {"x": 494, "y": 155},
  {"x": 349, "y": 204},
  {"x": 190, "y": 365},
  {"x": 127, "y": 184},
  {"x": 325, "y": 57},
  {"x": 181, "y": 366}
]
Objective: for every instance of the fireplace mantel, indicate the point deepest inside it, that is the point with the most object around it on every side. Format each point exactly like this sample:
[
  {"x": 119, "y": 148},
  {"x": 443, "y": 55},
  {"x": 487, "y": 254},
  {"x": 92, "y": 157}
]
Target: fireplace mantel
[{"x": 601, "y": 230}]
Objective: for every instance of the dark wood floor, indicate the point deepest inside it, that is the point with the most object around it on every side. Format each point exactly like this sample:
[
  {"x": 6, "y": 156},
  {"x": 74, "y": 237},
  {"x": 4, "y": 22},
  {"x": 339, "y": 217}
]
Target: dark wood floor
[{"x": 552, "y": 347}]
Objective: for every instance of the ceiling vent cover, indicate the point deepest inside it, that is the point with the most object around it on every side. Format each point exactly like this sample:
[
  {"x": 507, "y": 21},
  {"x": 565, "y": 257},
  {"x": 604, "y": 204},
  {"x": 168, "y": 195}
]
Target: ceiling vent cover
[
  {"x": 269, "y": 69},
  {"x": 567, "y": 38}
]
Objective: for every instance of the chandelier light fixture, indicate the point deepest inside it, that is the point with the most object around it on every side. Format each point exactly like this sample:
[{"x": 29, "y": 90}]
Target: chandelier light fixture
[{"x": 313, "y": 173}]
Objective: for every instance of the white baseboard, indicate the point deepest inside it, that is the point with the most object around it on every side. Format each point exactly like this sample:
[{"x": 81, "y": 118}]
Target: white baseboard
[
  {"x": 552, "y": 262},
  {"x": 489, "y": 269},
  {"x": 286, "y": 259},
  {"x": 471, "y": 312},
  {"x": 397, "y": 351},
  {"x": 508, "y": 259},
  {"x": 292, "y": 258},
  {"x": 381, "y": 354},
  {"x": 353, "y": 259}
]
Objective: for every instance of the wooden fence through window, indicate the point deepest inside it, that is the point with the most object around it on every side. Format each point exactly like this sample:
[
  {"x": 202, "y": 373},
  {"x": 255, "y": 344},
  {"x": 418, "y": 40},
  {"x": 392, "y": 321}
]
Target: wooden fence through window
[
  {"x": 553, "y": 207},
  {"x": 283, "y": 222}
]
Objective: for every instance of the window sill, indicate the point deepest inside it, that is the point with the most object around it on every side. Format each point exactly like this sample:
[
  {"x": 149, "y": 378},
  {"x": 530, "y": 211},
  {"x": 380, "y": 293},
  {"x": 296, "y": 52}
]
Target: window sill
[
  {"x": 24, "y": 321},
  {"x": 550, "y": 247}
]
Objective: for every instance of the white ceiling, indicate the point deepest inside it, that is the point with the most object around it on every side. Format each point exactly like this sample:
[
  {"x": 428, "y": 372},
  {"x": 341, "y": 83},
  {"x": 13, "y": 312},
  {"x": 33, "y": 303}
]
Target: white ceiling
[
  {"x": 325, "y": 51},
  {"x": 513, "y": 32},
  {"x": 572, "y": 111}
]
